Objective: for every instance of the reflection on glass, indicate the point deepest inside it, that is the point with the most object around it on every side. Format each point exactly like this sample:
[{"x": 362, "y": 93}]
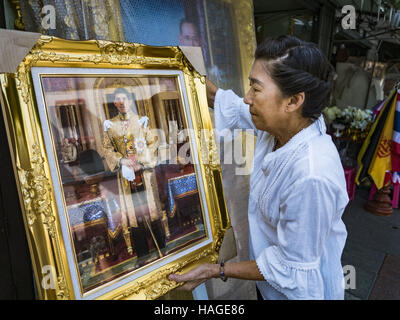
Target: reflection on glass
[
  {"x": 131, "y": 196},
  {"x": 199, "y": 23}
]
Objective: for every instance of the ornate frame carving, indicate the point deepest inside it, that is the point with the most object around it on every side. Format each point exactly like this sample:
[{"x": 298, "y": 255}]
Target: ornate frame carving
[{"x": 32, "y": 168}]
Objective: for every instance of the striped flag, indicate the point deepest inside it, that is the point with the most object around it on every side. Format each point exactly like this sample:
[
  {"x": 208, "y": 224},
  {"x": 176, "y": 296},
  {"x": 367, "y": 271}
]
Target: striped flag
[
  {"x": 396, "y": 137},
  {"x": 381, "y": 162},
  {"x": 367, "y": 151}
]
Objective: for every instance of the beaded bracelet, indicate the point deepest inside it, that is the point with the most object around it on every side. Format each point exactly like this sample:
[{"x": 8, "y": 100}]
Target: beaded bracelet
[{"x": 222, "y": 275}]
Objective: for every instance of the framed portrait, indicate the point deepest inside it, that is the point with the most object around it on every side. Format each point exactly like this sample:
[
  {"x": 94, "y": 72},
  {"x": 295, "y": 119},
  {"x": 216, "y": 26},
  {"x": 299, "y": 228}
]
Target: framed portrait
[{"x": 116, "y": 166}]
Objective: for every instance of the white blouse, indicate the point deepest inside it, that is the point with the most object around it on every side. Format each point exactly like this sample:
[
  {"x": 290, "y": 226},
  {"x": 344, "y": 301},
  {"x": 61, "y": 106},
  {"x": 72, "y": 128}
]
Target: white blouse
[{"x": 297, "y": 197}]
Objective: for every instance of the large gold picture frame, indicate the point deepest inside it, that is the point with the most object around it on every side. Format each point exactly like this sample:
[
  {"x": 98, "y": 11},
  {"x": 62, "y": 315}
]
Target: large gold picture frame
[{"x": 60, "y": 108}]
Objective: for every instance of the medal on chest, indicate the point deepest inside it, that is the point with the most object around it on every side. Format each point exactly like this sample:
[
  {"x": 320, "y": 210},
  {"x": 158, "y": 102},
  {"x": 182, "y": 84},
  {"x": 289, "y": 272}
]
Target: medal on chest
[{"x": 140, "y": 144}]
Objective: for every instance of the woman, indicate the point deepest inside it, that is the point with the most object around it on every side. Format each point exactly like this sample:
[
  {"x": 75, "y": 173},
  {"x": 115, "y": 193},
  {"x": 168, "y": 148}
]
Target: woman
[{"x": 297, "y": 186}]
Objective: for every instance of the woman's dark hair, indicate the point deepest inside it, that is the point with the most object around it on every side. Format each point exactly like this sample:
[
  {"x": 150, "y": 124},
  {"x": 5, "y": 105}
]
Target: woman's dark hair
[{"x": 298, "y": 66}]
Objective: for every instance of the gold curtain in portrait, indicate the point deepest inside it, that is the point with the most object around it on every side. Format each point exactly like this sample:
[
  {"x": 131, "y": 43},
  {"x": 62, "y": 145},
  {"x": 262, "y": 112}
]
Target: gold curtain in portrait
[{"x": 74, "y": 19}]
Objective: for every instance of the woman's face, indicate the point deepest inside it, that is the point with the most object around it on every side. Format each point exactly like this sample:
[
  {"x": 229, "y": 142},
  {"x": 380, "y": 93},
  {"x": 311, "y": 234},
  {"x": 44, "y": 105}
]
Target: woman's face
[{"x": 267, "y": 105}]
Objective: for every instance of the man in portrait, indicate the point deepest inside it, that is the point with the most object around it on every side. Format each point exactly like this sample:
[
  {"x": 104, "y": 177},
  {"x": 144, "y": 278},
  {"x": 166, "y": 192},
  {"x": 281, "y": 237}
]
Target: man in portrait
[
  {"x": 189, "y": 34},
  {"x": 130, "y": 148}
]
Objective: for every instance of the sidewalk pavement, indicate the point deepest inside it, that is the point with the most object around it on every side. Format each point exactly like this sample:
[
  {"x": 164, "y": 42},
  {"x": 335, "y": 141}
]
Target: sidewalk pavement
[{"x": 373, "y": 248}]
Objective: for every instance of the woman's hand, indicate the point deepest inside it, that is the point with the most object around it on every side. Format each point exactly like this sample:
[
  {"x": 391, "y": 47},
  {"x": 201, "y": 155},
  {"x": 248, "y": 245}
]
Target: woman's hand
[
  {"x": 211, "y": 90},
  {"x": 246, "y": 270},
  {"x": 196, "y": 276}
]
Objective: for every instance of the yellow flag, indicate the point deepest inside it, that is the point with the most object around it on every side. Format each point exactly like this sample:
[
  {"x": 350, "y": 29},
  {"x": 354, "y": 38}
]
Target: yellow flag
[
  {"x": 382, "y": 160},
  {"x": 367, "y": 150}
]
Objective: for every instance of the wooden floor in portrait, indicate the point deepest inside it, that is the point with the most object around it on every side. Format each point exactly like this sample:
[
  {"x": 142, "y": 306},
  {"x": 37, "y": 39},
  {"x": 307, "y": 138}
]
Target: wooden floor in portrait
[{"x": 94, "y": 274}]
